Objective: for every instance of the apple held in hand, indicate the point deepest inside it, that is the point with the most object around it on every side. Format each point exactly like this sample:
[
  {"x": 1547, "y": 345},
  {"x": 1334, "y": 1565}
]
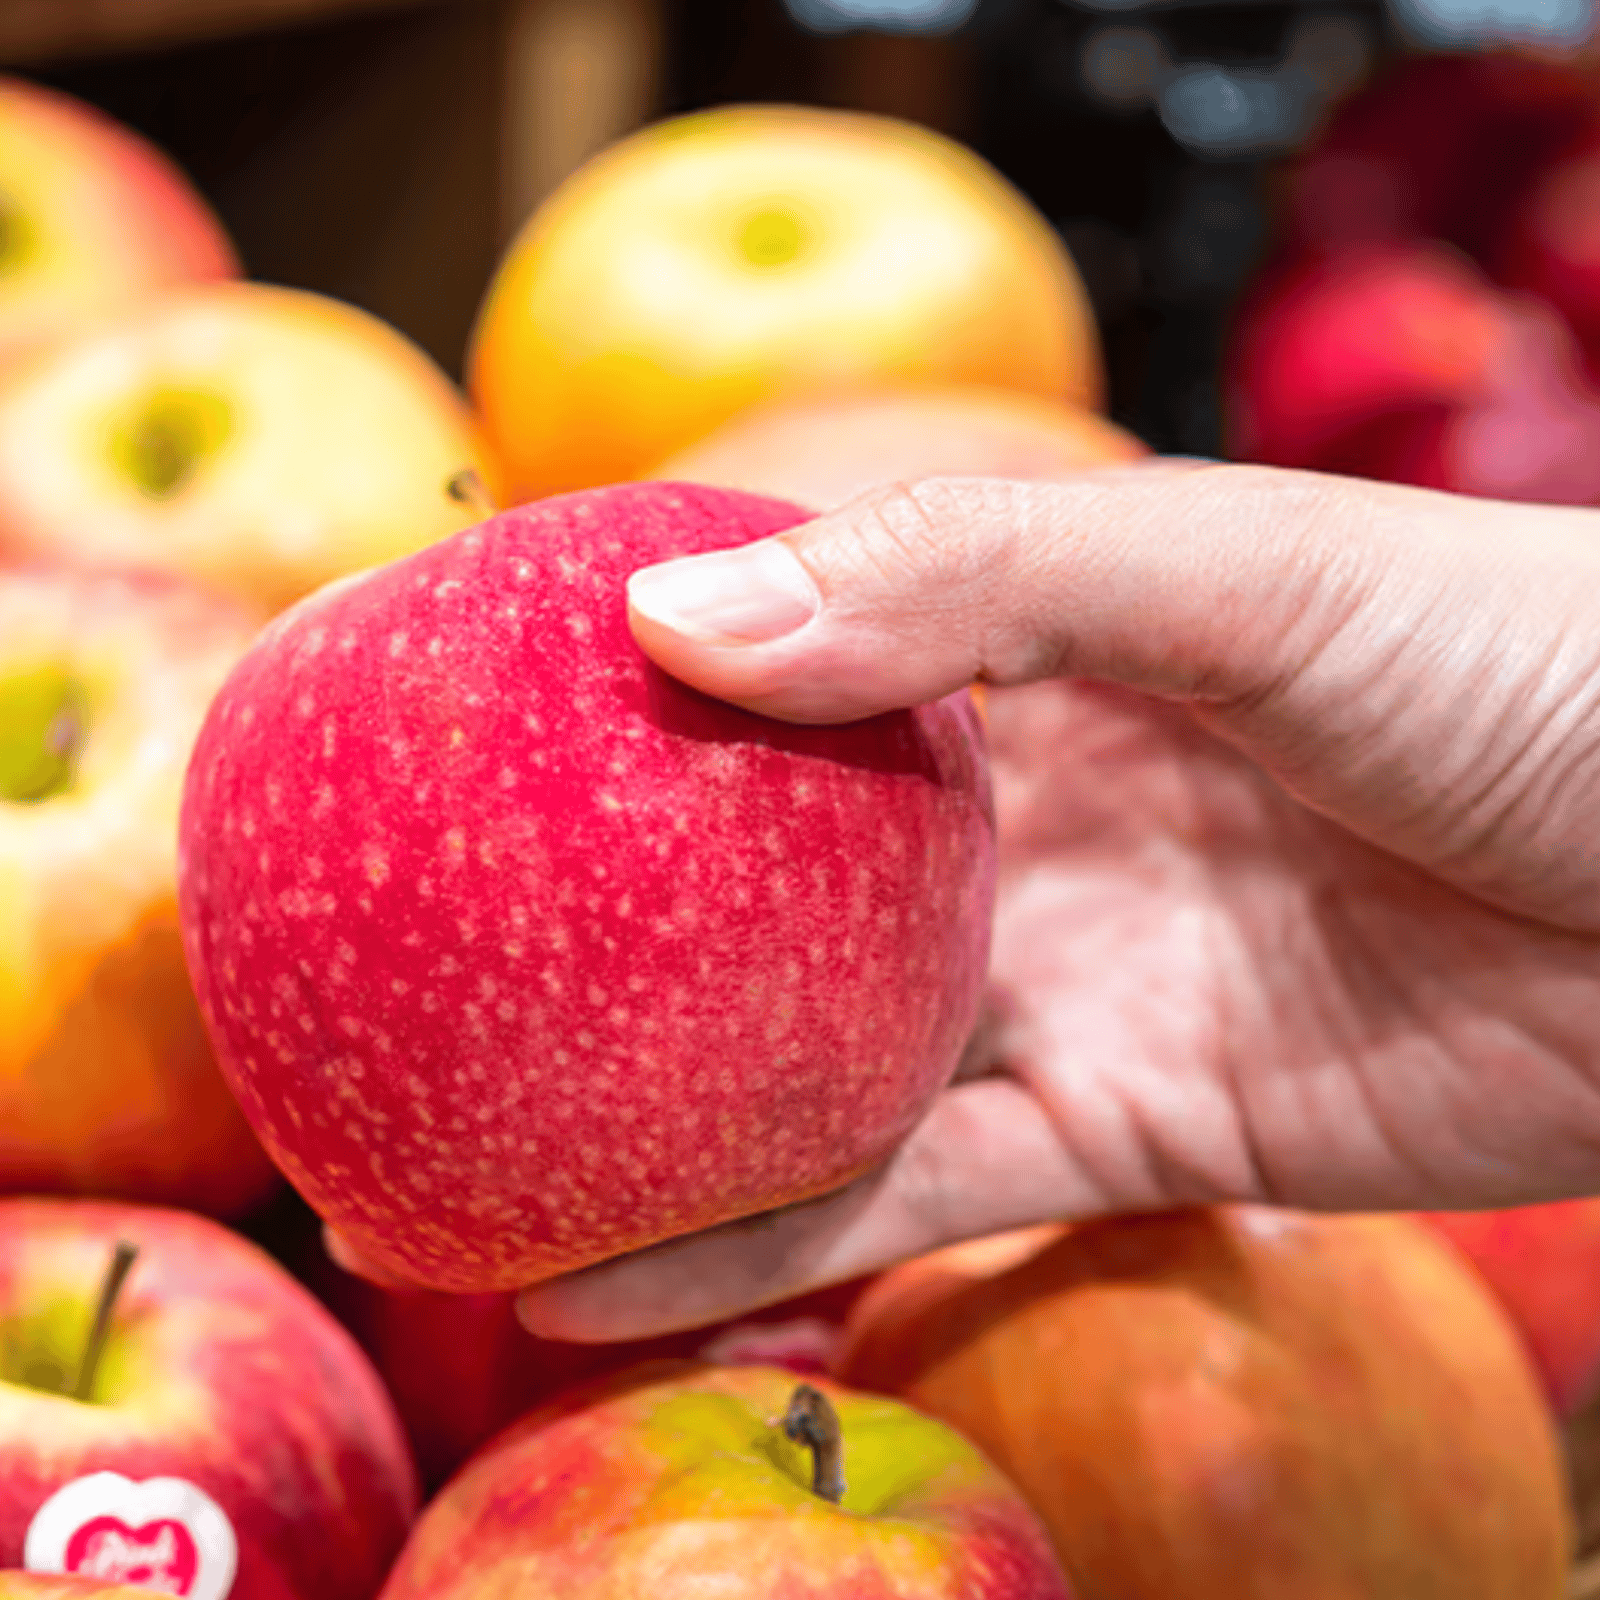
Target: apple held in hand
[
  {"x": 107, "y": 1081},
  {"x": 713, "y": 261},
  {"x": 261, "y": 440},
  {"x": 1241, "y": 1403},
  {"x": 822, "y": 452},
  {"x": 726, "y": 1481},
  {"x": 191, "y": 1419},
  {"x": 521, "y": 954},
  {"x": 93, "y": 219}
]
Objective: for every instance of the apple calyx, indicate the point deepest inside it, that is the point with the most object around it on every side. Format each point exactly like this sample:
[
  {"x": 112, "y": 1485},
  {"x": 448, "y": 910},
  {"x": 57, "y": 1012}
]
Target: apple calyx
[
  {"x": 772, "y": 237},
  {"x": 171, "y": 430},
  {"x": 43, "y": 720},
  {"x": 123, "y": 1256},
  {"x": 467, "y": 488},
  {"x": 811, "y": 1421}
]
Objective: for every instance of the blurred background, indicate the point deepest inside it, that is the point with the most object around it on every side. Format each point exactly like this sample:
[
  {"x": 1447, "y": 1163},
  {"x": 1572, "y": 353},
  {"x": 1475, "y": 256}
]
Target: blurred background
[{"x": 383, "y": 151}]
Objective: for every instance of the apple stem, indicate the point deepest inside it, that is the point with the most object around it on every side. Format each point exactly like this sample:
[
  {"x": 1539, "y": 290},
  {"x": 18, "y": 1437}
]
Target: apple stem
[
  {"x": 812, "y": 1422},
  {"x": 467, "y": 488},
  {"x": 121, "y": 1263}
]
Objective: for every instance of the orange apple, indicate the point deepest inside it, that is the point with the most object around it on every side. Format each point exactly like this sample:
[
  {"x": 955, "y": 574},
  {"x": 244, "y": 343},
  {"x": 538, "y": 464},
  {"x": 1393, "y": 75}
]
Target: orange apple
[
  {"x": 93, "y": 218},
  {"x": 107, "y": 1083},
  {"x": 259, "y": 439},
  {"x": 1242, "y": 1403},
  {"x": 754, "y": 252},
  {"x": 821, "y": 452}
]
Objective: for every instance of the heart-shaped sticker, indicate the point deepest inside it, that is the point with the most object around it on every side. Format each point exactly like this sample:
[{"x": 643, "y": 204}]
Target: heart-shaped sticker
[{"x": 165, "y": 1534}]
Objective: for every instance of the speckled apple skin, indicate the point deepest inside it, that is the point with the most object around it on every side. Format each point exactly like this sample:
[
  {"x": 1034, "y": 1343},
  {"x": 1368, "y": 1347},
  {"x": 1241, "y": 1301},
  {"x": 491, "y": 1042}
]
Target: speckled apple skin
[
  {"x": 683, "y": 1487},
  {"x": 233, "y": 1377},
  {"x": 520, "y": 954}
]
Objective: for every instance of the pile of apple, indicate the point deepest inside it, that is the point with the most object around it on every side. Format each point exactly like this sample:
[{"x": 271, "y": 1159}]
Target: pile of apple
[
  {"x": 1432, "y": 315},
  {"x": 346, "y": 835}
]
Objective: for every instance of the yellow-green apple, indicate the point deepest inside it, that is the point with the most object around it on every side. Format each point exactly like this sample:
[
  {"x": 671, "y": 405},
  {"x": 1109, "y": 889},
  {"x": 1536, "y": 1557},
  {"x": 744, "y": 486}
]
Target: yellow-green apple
[
  {"x": 748, "y": 253},
  {"x": 821, "y": 452},
  {"x": 1543, "y": 1265},
  {"x": 521, "y": 954},
  {"x": 93, "y": 218},
  {"x": 1242, "y": 1403},
  {"x": 1404, "y": 362},
  {"x": 725, "y": 1481},
  {"x": 262, "y": 440},
  {"x": 176, "y": 1411},
  {"x": 107, "y": 1081}
]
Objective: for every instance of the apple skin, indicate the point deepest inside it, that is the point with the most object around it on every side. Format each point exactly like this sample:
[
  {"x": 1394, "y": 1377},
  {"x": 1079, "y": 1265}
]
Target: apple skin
[
  {"x": 823, "y": 452},
  {"x": 317, "y": 440},
  {"x": 108, "y": 1084},
  {"x": 520, "y": 954},
  {"x": 222, "y": 1371},
  {"x": 95, "y": 220},
  {"x": 48, "y": 1586},
  {"x": 680, "y": 1484},
  {"x": 634, "y": 313},
  {"x": 1542, "y": 1263},
  {"x": 1245, "y": 1404}
]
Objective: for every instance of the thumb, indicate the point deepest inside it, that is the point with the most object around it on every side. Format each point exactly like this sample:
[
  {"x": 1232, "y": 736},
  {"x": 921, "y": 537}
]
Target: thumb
[{"x": 1402, "y": 660}]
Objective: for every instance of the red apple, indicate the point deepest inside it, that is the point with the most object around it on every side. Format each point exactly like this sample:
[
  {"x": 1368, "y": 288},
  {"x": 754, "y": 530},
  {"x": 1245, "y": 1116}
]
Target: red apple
[
  {"x": 93, "y": 219},
  {"x": 233, "y": 1440},
  {"x": 684, "y": 1485},
  {"x": 107, "y": 1082},
  {"x": 1404, "y": 362},
  {"x": 1439, "y": 146},
  {"x": 521, "y": 954},
  {"x": 259, "y": 440},
  {"x": 1242, "y": 1403},
  {"x": 1543, "y": 1265}
]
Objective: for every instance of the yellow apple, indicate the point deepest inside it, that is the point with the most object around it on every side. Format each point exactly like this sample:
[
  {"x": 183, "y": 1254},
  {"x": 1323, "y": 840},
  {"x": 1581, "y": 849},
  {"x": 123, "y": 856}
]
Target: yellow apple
[
  {"x": 107, "y": 1083},
  {"x": 754, "y": 252},
  {"x": 93, "y": 219},
  {"x": 261, "y": 440}
]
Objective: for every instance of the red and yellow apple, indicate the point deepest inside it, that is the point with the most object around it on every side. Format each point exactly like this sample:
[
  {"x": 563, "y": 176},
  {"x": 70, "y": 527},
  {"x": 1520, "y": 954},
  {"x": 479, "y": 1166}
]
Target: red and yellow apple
[
  {"x": 1542, "y": 1264},
  {"x": 93, "y": 219},
  {"x": 684, "y": 1484},
  {"x": 556, "y": 957},
  {"x": 228, "y": 1439},
  {"x": 749, "y": 253},
  {"x": 47, "y": 1586},
  {"x": 107, "y": 1081},
  {"x": 260, "y": 440},
  {"x": 1242, "y": 1403},
  {"x": 822, "y": 452}
]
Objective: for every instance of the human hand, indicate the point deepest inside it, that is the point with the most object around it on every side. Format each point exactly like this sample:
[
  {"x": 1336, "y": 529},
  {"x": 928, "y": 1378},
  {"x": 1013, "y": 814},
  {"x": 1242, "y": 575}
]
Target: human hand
[{"x": 1298, "y": 783}]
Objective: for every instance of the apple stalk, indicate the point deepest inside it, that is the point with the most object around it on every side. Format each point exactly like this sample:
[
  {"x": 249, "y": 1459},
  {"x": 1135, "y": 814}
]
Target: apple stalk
[
  {"x": 811, "y": 1421},
  {"x": 116, "y": 1275}
]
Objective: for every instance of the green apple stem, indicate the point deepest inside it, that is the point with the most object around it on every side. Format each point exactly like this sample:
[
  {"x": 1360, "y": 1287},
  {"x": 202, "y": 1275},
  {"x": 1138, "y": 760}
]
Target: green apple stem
[
  {"x": 812, "y": 1422},
  {"x": 467, "y": 488},
  {"x": 121, "y": 1263}
]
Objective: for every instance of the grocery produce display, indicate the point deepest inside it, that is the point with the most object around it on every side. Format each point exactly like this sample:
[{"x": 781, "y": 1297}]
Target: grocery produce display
[{"x": 359, "y": 872}]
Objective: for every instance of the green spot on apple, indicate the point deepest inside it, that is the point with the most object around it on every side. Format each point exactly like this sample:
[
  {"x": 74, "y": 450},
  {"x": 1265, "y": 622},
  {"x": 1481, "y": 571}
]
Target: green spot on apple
[
  {"x": 16, "y": 235},
  {"x": 168, "y": 435},
  {"x": 773, "y": 238},
  {"x": 43, "y": 719},
  {"x": 50, "y": 1351}
]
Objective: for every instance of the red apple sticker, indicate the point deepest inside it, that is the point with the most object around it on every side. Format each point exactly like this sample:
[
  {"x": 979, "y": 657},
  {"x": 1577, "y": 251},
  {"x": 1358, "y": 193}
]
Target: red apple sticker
[{"x": 165, "y": 1534}]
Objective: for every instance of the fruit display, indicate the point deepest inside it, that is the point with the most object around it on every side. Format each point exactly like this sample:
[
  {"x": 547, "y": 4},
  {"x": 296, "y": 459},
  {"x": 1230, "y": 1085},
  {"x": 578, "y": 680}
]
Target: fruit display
[
  {"x": 734, "y": 1482},
  {"x": 1200, "y": 1403},
  {"x": 177, "y": 1411},
  {"x": 1431, "y": 315},
  {"x": 668, "y": 961},
  {"x": 752, "y": 253},
  {"x": 107, "y": 1081},
  {"x": 348, "y": 836}
]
